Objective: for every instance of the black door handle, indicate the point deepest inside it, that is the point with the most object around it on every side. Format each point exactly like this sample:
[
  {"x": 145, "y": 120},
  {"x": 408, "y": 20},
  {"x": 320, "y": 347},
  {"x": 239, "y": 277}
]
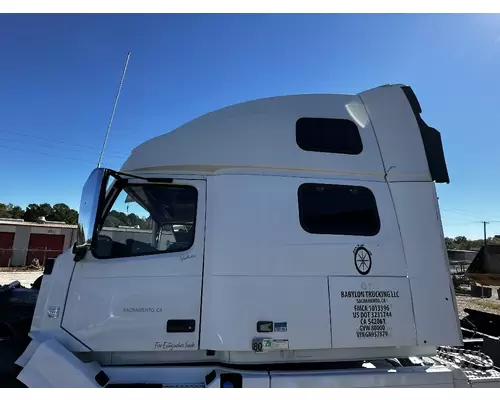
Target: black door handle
[{"x": 181, "y": 325}]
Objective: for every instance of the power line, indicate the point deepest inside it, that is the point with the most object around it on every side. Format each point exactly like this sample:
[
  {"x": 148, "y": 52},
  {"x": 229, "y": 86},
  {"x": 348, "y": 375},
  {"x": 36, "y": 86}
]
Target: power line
[
  {"x": 58, "y": 141},
  {"x": 458, "y": 211},
  {"x": 52, "y": 147},
  {"x": 484, "y": 227},
  {"x": 33, "y": 152},
  {"x": 468, "y": 215},
  {"x": 459, "y": 223}
]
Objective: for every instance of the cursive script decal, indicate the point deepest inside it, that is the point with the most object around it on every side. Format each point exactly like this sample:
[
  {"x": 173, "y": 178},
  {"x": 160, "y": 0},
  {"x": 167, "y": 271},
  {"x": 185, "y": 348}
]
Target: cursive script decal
[{"x": 173, "y": 346}]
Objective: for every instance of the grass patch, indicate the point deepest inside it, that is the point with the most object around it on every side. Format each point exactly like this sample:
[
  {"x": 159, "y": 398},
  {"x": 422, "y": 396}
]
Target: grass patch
[{"x": 486, "y": 304}]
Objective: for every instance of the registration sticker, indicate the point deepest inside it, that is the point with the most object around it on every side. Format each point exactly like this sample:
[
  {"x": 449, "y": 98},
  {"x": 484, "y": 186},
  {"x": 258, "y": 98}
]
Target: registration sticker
[
  {"x": 260, "y": 345},
  {"x": 280, "y": 327},
  {"x": 280, "y": 344}
]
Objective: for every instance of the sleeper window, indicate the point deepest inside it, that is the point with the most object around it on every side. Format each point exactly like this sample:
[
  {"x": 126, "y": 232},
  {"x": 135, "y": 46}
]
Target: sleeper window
[
  {"x": 338, "y": 210},
  {"x": 328, "y": 135}
]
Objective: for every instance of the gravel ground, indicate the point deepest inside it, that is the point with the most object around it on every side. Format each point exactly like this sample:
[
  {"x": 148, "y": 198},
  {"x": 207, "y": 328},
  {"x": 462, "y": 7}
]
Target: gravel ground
[
  {"x": 491, "y": 305},
  {"x": 26, "y": 277}
]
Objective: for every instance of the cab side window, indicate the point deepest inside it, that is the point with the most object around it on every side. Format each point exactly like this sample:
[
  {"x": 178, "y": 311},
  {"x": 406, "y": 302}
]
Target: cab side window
[
  {"x": 338, "y": 210},
  {"x": 328, "y": 135},
  {"x": 148, "y": 219}
]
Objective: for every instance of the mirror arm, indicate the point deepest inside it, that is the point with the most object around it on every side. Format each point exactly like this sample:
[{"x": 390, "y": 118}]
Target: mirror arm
[
  {"x": 119, "y": 176},
  {"x": 79, "y": 251}
]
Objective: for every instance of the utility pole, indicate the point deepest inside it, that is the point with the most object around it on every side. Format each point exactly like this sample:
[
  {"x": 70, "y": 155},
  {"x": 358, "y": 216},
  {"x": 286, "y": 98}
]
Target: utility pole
[
  {"x": 485, "y": 242},
  {"x": 484, "y": 228},
  {"x": 114, "y": 109}
]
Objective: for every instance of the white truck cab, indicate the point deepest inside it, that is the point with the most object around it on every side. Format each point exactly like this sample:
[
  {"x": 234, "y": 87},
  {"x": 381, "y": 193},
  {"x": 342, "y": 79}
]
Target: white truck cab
[{"x": 298, "y": 233}]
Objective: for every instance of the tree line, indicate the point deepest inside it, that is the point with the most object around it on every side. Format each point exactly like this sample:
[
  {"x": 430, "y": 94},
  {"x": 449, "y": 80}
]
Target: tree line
[
  {"x": 63, "y": 213},
  {"x": 462, "y": 243},
  {"x": 33, "y": 212}
]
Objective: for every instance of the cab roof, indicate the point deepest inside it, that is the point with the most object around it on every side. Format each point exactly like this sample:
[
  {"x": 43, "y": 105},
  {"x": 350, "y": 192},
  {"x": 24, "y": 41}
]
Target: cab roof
[{"x": 262, "y": 136}]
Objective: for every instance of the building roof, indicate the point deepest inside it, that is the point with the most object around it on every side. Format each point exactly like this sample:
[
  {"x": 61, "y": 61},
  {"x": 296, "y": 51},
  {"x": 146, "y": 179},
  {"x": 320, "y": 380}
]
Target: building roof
[{"x": 40, "y": 225}]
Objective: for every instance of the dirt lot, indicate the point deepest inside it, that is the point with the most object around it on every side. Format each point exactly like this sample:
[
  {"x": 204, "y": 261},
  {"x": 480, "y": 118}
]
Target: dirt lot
[
  {"x": 26, "y": 277},
  {"x": 491, "y": 305}
]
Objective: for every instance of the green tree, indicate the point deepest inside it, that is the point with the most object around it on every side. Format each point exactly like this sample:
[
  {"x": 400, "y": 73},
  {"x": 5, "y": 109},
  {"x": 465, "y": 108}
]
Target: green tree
[
  {"x": 495, "y": 239},
  {"x": 35, "y": 211},
  {"x": 11, "y": 211},
  {"x": 61, "y": 212},
  {"x": 4, "y": 213},
  {"x": 16, "y": 211},
  {"x": 460, "y": 240},
  {"x": 134, "y": 220},
  {"x": 116, "y": 219},
  {"x": 450, "y": 244}
]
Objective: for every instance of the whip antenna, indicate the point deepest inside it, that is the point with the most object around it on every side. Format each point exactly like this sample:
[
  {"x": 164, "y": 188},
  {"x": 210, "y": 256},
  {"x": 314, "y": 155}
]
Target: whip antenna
[{"x": 114, "y": 109}]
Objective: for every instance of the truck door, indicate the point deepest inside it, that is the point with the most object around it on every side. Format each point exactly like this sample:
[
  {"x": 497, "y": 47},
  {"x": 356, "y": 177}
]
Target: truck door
[{"x": 139, "y": 286}]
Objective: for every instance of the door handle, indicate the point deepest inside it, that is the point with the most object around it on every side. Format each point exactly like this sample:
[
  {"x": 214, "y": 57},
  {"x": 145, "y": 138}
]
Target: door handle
[{"x": 181, "y": 325}]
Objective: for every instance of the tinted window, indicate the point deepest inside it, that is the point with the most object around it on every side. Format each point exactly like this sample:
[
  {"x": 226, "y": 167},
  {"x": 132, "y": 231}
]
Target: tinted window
[
  {"x": 148, "y": 219},
  {"x": 328, "y": 135},
  {"x": 338, "y": 210}
]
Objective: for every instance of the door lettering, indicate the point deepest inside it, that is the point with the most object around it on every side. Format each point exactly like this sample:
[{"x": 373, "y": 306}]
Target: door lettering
[{"x": 142, "y": 310}]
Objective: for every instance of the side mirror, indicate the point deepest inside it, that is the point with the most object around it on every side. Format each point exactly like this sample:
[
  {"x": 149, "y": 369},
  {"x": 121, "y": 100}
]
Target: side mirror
[{"x": 92, "y": 193}]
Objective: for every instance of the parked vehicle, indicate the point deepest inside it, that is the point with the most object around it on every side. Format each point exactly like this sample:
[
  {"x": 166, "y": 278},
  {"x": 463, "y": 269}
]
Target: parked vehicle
[{"x": 293, "y": 241}]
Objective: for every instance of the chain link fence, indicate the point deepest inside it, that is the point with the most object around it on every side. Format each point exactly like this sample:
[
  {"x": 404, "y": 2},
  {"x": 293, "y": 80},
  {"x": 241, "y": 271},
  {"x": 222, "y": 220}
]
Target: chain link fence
[{"x": 24, "y": 257}]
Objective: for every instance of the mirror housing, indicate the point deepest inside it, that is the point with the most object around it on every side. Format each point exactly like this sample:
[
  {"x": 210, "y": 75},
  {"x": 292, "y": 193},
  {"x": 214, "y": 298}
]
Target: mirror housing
[{"x": 92, "y": 197}]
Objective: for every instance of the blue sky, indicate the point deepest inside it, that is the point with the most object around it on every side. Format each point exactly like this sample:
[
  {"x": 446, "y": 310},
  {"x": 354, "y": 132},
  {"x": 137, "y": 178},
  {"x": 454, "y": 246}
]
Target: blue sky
[{"x": 59, "y": 75}]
